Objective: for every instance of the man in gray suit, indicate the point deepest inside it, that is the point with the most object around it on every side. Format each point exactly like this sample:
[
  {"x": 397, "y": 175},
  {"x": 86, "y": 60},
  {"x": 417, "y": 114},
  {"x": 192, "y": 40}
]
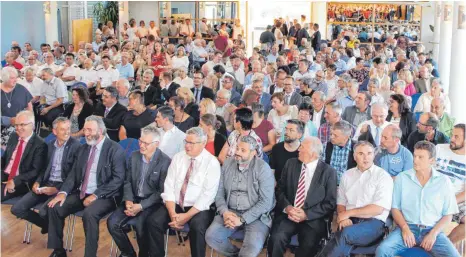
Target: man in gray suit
[
  {"x": 423, "y": 84},
  {"x": 92, "y": 186},
  {"x": 244, "y": 200},
  {"x": 360, "y": 111},
  {"x": 145, "y": 176},
  {"x": 291, "y": 96}
]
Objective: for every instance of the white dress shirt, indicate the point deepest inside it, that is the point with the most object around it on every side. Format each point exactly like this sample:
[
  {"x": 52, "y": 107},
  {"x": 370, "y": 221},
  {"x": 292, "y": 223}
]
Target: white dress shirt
[
  {"x": 52, "y": 66},
  {"x": 34, "y": 87},
  {"x": 73, "y": 70},
  {"x": 88, "y": 76},
  {"x": 153, "y": 31},
  {"x": 107, "y": 76},
  {"x": 172, "y": 141},
  {"x": 358, "y": 189},
  {"x": 316, "y": 117},
  {"x": 373, "y": 129},
  {"x": 92, "y": 182},
  {"x": 310, "y": 170},
  {"x": 203, "y": 182}
]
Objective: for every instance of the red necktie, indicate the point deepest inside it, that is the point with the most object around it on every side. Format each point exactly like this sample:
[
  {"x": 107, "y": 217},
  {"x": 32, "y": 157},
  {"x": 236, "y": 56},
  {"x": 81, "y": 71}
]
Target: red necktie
[
  {"x": 82, "y": 194},
  {"x": 19, "y": 153},
  {"x": 300, "y": 193},
  {"x": 185, "y": 183}
]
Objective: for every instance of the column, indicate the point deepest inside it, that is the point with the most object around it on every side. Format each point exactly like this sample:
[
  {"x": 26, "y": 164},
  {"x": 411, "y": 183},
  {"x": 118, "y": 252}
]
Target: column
[
  {"x": 319, "y": 16},
  {"x": 445, "y": 43},
  {"x": 437, "y": 18},
  {"x": 123, "y": 16},
  {"x": 457, "y": 72},
  {"x": 51, "y": 21}
]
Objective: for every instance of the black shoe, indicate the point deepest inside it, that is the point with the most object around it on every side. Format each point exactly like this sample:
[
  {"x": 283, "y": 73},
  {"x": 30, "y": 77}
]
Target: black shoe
[
  {"x": 58, "y": 253},
  {"x": 128, "y": 255},
  {"x": 44, "y": 230}
]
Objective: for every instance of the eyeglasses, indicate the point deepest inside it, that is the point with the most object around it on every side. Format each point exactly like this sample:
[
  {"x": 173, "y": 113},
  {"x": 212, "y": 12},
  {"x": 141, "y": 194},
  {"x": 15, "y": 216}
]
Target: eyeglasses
[
  {"x": 190, "y": 143},
  {"x": 22, "y": 125},
  {"x": 146, "y": 143},
  {"x": 425, "y": 125}
]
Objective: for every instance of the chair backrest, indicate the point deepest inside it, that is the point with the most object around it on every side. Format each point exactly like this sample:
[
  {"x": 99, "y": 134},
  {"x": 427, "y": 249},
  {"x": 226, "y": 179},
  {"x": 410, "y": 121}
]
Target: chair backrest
[
  {"x": 82, "y": 140},
  {"x": 129, "y": 145},
  {"x": 50, "y": 138},
  {"x": 417, "y": 115},
  {"x": 414, "y": 99}
]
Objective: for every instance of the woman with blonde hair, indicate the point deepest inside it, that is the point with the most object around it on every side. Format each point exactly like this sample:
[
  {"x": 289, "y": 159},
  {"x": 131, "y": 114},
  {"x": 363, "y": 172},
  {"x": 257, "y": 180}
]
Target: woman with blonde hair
[
  {"x": 270, "y": 69},
  {"x": 191, "y": 108},
  {"x": 207, "y": 106},
  {"x": 215, "y": 140}
]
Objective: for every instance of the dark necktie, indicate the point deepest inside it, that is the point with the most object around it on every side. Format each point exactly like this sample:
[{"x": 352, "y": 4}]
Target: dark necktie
[{"x": 82, "y": 194}]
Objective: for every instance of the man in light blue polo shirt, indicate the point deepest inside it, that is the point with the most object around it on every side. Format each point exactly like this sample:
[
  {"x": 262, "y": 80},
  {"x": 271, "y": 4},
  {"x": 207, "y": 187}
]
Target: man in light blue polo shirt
[
  {"x": 125, "y": 68},
  {"x": 423, "y": 203}
]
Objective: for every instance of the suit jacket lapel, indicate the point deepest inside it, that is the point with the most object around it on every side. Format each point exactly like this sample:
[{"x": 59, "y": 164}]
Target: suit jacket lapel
[
  {"x": 102, "y": 159},
  {"x": 11, "y": 148},
  {"x": 28, "y": 146},
  {"x": 50, "y": 159},
  {"x": 315, "y": 179}
]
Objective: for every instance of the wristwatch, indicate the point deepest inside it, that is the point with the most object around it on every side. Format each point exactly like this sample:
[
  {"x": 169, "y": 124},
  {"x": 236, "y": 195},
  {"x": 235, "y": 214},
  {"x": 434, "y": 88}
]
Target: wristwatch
[{"x": 242, "y": 220}]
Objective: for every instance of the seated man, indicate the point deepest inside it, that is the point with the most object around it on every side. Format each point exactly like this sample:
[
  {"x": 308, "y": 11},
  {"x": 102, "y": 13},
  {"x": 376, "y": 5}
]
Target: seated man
[
  {"x": 363, "y": 204},
  {"x": 49, "y": 62},
  {"x": 69, "y": 71},
  {"x": 423, "y": 204},
  {"x": 111, "y": 112},
  {"x": 338, "y": 152},
  {"x": 189, "y": 191},
  {"x": 307, "y": 196},
  {"x": 225, "y": 109},
  {"x": 427, "y": 129},
  {"x": 93, "y": 186},
  {"x": 451, "y": 161},
  {"x": 145, "y": 175},
  {"x": 55, "y": 94},
  {"x": 123, "y": 87},
  {"x": 371, "y": 130},
  {"x": 60, "y": 159},
  {"x": 244, "y": 200},
  {"x": 24, "y": 157},
  {"x": 446, "y": 122},
  {"x": 360, "y": 111},
  {"x": 125, "y": 68},
  {"x": 288, "y": 148},
  {"x": 171, "y": 137},
  {"x": 392, "y": 156}
]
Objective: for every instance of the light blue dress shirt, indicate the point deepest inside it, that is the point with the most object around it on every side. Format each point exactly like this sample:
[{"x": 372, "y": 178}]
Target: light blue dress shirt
[
  {"x": 92, "y": 182},
  {"x": 55, "y": 172},
  {"x": 424, "y": 205},
  {"x": 341, "y": 65},
  {"x": 126, "y": 71}
]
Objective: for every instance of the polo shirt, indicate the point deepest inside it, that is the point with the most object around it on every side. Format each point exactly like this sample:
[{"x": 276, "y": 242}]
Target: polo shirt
[
  {"x": 126, "y": 71},
  {"x": 107, "y": 76}
]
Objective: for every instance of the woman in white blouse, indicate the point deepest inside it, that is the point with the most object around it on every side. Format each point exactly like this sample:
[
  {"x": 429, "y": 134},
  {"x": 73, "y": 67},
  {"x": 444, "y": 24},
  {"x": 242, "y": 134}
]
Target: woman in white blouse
[
  {"x": 180, "y": 60},
  {"x": 423, "y": 104},
  {"x": 281, "y": 113}
]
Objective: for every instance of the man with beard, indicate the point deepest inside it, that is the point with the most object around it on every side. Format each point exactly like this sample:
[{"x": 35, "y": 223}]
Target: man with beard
[
  {"x": 451, "y": 161},
  {"x": 307, "y": 196},
  {"x": 93, "y": 186},
  {"x": 318, "y": 82},
  {"x": 244, "y": 200},
  {"x": 283, "y": 151},
  {"x": 427, "y": 130},
  {"x": 392, "y": 156}
]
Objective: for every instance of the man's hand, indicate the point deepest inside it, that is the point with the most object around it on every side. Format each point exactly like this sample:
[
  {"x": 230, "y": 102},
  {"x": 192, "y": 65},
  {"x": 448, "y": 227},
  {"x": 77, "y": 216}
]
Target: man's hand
[
  {"x": 344, "y": 223},
  {"x": 429, "y": 240},
  {"x": 364, "y": 128},
  {"x": 44, "y": 111},
  {"x": 297, "y": 215},
  {"x": 128, "y": 204},
  {"x": 227, "y": 215},
  {"x": 35, "y": 188},
  {"x": 9, "y": 187},
  {"x": 408, "y": 237},
  {"x": 233, "y": 222},
  {"x": 89, "y": 200},
  {"x": 49, "y": 190},
  {"x": 60, "y": 198},
  {"x": 12, "y": 121},
  {"x": 179, "y": 220},
  {"x": 133, "y": 209},
  {"x": 342, "y": 216}
]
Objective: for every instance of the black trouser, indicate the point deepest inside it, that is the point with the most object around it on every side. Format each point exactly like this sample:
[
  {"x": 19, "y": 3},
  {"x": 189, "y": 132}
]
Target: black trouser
[
  {"x": 157, "y": 225},
  {"x": 22, "y": 209},
  {"x": 309, "y": 235},
  {"x": 118, "y": 227},
  {"x": 20, "y": 190},
  {"x": 51, "y": 115},
  {"x": 91, "y": 217}
]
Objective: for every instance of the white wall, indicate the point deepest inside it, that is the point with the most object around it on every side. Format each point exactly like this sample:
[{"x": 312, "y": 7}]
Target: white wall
[
  {"x": 427, "y": 19},
  {"x": 146, "y": 11}
]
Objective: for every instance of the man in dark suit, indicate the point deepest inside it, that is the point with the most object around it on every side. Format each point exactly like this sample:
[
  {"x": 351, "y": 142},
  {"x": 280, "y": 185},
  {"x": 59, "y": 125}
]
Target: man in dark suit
[
  {"x": 423, "y": 84},
  {"x": 145, "y": 177},
  {"x": 315, "y": 39},
  {"x": 23, "y": 159},
  {"x": 200, "y": 92},
  {"x": 168, "y": 86},
  {"x": 291, "y": 96},
  {"x": 60, "y": 159},
  {"x": 307, "y": 196},
  {"x": 111, "y": 112},
  {"x": 339, "y": 150},
  {"x": 264, "y": 97},
  {"x": 279, "y": 79},
  {"x": 227, "y": 84},
  {"x": 93, "y": 185}
]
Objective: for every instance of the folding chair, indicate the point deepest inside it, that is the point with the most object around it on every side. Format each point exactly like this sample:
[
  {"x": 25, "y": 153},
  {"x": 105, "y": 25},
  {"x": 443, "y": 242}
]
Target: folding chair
[
  {"x": 27, "y": 230},
  {"x": 129, "y": 145},
  {"x": 72, "y": 225}
]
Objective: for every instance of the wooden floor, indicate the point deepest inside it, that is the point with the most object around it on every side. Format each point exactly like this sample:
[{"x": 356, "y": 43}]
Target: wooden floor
[{"x": 13, "y": 231}]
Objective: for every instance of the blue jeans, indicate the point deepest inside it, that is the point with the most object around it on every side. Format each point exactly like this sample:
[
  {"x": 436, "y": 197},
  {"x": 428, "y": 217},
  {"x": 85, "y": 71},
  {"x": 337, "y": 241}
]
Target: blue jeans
[
  {"x": 361, "y": 233},
  {"x": 255, "y": 235},
  {"x": 394, "y": 245}
]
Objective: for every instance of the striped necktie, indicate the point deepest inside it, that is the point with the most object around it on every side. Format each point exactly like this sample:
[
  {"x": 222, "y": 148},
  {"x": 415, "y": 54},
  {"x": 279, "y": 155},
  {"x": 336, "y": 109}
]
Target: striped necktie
[{"x": 301, "y": 192}]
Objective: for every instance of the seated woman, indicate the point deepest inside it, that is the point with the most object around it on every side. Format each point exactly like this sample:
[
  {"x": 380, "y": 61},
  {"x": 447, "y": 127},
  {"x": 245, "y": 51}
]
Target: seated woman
[
  {"x": 180, "y": 60},
  {"x": 423, "y": 104},
  {"x": 243, "y": 127},
  {"x": 79, "y": 110},
  {"x": 137, "y": 117},
  {"x": 191, "y": 107},
  {"x": 400, "y": 114},
  {"x": 208, "y": 106},
  {"x": 399, "y": 87},
  {"x": 263, "y": 128},
  {"x": 281, "y": 113},
  {"x": 182, "y": 120},
  {"x": 215, "y": 140}
]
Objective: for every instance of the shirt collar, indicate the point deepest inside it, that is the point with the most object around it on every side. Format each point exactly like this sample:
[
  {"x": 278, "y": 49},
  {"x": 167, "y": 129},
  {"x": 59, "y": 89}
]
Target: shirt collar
[
  {"x": 100, "y": 144},
  {"x": 312, "y": 165},
  {"x": 347, "y": 146},
  {"x": 27, "y": 138},
  {"x": 57, "y": 146}
]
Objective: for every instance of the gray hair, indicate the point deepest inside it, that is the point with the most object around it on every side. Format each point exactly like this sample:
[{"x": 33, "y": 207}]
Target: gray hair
[
  {"x": 151, "y": 129},
  {"x": 124, "y": 82},
  {"x": 374, "y": 82},
  {"x": 100, "y": 123},
  {"x": 336, "y": 107},
  {"x": 381, "y": 105},
  {"x": 363, "y": 143},
  {"x": 250, "y": 141},
  {"x": 395, "y": 130},
  {"x": 28, "y": 114},
  {"x": 438, "y": 81},
  {"x": 400, "y": 83},
  {"x": 225, "y": 93},
  {"x": 316, "y": 145},
  {"x": 113, "y": 92},
  {"x": 322, "y": 95},
  {"x": 432, "y": 120},
  {"x": 197, "y": 131},
  {"x": 354, "y": 83},
  {"x": 344, "y": 127},
  {"x": 59, "y": 120},
  {"x": 149, "y": 72},
  {"x": 345, "y": 77},
  {"x": 428, "y": 146},
  {"x": 29, "y": 69},
  {"x": 6, "y": 73},
  {"x": 47, "y": 70}
]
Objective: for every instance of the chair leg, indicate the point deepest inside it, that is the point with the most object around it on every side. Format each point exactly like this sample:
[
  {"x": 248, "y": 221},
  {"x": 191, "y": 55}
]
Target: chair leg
[
  {"x": 72, "y": 234},
  {"x": 25, "y": 233},
  {"x": 68, "y": 231},
  {"x": 111, "y": 248},
  {"x": 29, "y": 233},
  {"x": 166, "y": 242}
]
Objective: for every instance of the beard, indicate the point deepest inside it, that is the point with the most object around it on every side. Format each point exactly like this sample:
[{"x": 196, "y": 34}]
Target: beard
[
  {"x": 92, "y": 139},
  {"x": 289, "y": 139},
  {"x": 455, "y": 147},
  {"x": 241, "y": 160}
]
